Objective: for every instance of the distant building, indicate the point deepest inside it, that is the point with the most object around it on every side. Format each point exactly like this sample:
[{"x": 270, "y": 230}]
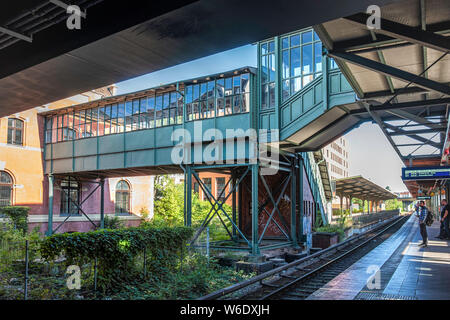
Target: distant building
[
  {"x": 336, "y": 155},
  {"x": 22, "y": 180}
]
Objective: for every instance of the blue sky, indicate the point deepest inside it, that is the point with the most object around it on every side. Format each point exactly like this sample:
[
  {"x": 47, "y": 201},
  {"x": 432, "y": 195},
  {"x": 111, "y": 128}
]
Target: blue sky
[{"x": 371, "y": 155}]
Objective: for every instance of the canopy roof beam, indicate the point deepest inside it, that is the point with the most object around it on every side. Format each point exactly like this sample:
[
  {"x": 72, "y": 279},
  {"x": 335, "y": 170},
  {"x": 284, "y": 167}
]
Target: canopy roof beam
[
  {"x": 391, "y": 71},
  {"x": 404, "y": 32}
]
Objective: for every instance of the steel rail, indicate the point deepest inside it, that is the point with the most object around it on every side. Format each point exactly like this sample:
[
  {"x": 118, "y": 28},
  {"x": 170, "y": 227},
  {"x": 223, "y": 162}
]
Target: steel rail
[
  {"x": 233, "y": 288},
  {"x": 318, "y": 269}
]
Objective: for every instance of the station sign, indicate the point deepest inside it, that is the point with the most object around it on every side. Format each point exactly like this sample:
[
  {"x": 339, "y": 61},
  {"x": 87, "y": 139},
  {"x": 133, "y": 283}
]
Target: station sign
[
  {"x": 426, "y": 173},
  {"x": 424, "y": 198}
]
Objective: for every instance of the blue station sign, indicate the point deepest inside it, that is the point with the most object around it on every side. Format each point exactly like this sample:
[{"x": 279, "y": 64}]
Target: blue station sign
[{"x": 425, "y": 173}]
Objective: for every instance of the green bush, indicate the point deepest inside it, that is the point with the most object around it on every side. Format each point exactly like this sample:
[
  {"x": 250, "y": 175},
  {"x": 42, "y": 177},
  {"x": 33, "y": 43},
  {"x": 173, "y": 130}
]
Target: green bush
[
  {"x": 18, "y": 217},
  {"x": 331, "y": 228},
  {"x": 113, "y": 222},
  {"x": 117, "y": 251}
]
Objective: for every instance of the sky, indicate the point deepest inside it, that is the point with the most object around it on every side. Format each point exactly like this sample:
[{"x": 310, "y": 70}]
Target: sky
[{"x": 370, "y": 153}]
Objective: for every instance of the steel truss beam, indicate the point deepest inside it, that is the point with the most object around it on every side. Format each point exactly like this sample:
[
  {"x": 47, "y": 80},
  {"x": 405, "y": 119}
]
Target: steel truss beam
[
  {"x": 404, "y": 32},
  {"x": 219, "y": 204},
  {"x": 376, "y": 106},
  {"x": 237, "y": 181},
  {"x": 391, "y": 71}
]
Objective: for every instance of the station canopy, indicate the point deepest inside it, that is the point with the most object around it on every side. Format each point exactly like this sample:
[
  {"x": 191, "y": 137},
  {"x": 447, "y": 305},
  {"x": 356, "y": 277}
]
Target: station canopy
[
  {"x": 361, "y": 188},
  {"x": 400, "y": 73}
]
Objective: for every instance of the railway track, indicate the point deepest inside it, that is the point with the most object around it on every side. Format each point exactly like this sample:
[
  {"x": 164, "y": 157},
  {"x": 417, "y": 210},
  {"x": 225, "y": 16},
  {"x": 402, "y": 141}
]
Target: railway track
[{"x": 299, "y": 279}]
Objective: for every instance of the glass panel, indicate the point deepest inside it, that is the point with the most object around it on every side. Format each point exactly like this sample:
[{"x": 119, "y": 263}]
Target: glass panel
[
  {"x": 94, "y": 122},
  {"x": 220, "y": 107},
  {"x": 272, "y": 67},
  {"x": 245, "y": 103},
  {"x": 189, "y": 94},
  {"x": 245, "y": 83},
  {"x": 285, "y": 43},
  {"x": 307, "y": 79},
  {"x": 143, "y": 113},
  {"x": 307, "y": 37},
  {"x": 318, "y": 57},
  {"x": 307, "y": 59},
  {"x": 295, "y": 40},
  {"x": 228, "y": 86},
  {"x": 128, "y": 116},
  {"x": 316, "y": 37},
  {"x": 295, "y": 62},
  {"x": 120, "y": 117},
  {"x": 265, "y": 96},
  {"x": 271, "y": 46},
  {"x": 151, "y": 112},
  {"x": 101, "y": 121},
  {"x": 158, "y": 110},
  {"x": 285, "y": 90},
  {"x": 180, "y": 108},
  {"x": 228, "y": 105},
  {"x": 272, "y": 94},
  {"x": 5, "y": 178},
  {"x": 237, "y": 104},
  {"x": 296, "y": 84},
  {"x": 264, "y": 48},
  {"x": 285, "y": 64},
  {"x": 236, "y": 85},
  {"x": 264, "y": 69}
]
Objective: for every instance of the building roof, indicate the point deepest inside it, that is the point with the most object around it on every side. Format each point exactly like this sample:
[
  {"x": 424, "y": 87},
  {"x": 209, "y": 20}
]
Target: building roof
[{"x": 361, "y": 188}]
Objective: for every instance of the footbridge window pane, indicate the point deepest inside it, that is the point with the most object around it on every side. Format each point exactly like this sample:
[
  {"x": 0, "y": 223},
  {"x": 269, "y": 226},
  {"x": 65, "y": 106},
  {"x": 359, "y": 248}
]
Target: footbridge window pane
[
  {"x": 268, "y": 71},
  {"x": 301, "y": 60},
  {"x": 151, "y": 112},
  {"x": 129, "y": 116}
]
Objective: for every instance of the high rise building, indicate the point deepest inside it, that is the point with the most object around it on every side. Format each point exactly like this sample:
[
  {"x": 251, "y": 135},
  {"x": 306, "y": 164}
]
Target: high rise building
[{"x": 336, "y": 155}]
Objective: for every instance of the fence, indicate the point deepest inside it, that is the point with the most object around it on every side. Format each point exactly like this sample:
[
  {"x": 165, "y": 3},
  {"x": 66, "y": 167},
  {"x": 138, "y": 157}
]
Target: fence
[
  {"x": 366, "y": 219},
  {"x": 25, "y": 275}
]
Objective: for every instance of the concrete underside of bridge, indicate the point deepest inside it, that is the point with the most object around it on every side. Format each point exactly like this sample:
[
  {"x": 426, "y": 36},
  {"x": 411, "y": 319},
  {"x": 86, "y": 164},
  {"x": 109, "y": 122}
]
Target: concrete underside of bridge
[{"x": 121, "y": 40}]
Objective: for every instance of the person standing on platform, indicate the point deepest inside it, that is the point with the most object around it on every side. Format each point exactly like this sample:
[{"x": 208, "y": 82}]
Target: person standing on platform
[
  {"x": 423, "y": 211},
  {"x": 444, "y": 219}
]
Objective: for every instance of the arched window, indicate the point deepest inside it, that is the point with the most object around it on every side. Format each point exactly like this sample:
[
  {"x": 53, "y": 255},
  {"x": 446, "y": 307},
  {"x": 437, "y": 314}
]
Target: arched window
[
  {"x": 70, "y": 197},
  {"x": 122, "y": 197},
  {"x": 15, "y": 131},
  {"x": 6, "y": 187}
]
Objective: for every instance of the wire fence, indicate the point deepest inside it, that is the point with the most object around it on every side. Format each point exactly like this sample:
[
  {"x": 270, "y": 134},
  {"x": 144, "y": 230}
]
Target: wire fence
[{"x": 25, "y": 275}]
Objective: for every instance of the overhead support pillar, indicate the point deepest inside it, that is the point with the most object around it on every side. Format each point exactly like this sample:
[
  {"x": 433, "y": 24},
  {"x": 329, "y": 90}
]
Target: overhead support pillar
[
  {"x": 102, "y": 203},
  {"x": 188, "y": 203},
  {"x": 255, "y": 233},
  {"x": 294, "y": 202},
  {"x": 233, "y": 201},
  {"x": 300, "y": 198},
  {"x": 50, "y": 205}
]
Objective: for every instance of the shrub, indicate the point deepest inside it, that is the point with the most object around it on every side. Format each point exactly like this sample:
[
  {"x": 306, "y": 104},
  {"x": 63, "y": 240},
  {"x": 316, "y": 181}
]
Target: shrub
[
  {"x": 18, "y": 216},
  {"x": 117, "y": 251},
  {"x": 113, "y": 222}
]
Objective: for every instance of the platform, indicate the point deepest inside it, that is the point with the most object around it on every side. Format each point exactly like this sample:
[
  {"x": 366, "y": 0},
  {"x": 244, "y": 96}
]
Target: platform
[{"x": 407, "y": 271}]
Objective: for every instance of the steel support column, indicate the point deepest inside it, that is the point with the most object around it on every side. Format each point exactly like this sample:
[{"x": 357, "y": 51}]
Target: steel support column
[
  {"x": 233, "y": 203},
  {"x": 102, "y": 203},
  {"x": 300, "y": 198},
  {"x": 188, "y": 203},
  {"x": 255, "y": 233},
  {"x": 50, "y": 206},
  {"x": 294, "y": 202}
]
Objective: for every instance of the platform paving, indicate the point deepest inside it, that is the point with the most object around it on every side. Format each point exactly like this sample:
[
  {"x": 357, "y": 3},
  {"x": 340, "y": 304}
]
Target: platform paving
[{"x": 407, "y": 271}]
